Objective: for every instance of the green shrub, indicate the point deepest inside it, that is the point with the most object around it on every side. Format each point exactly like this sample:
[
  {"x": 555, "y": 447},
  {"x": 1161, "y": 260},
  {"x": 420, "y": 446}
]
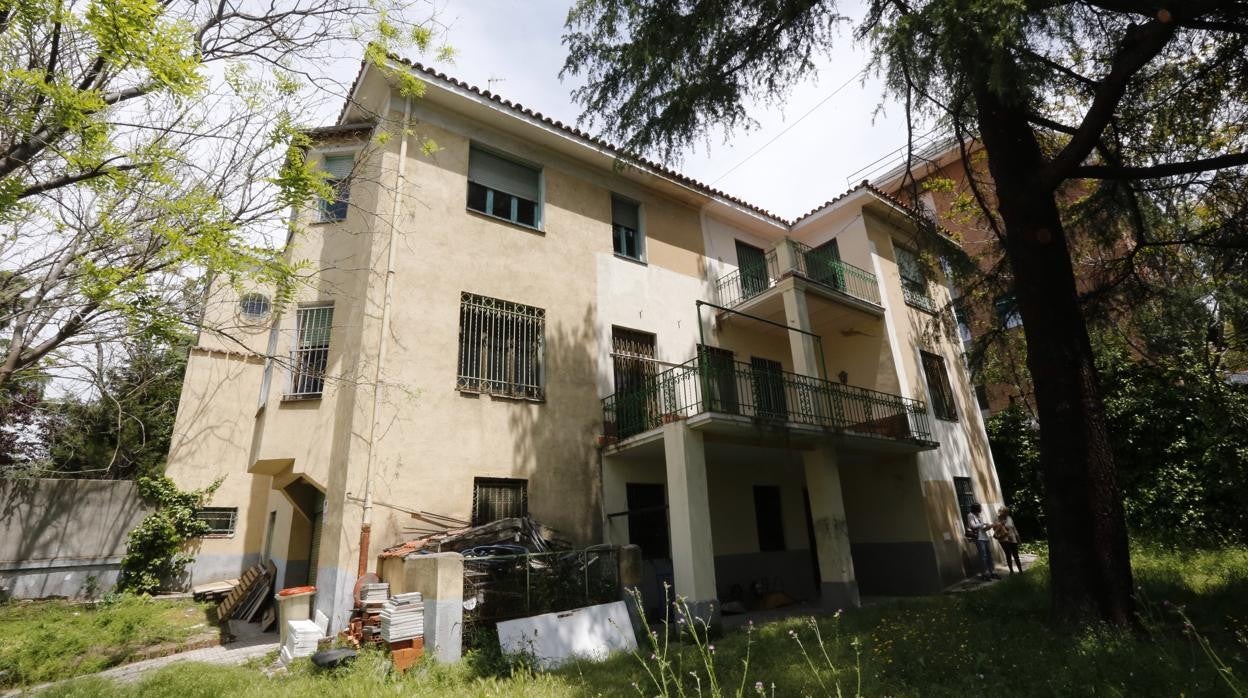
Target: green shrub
[{"x": 155, "y": 550}]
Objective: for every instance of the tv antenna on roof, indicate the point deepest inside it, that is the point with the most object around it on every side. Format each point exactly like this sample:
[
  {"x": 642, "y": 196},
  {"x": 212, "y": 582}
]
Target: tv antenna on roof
[{"x": 489, "y": 84}]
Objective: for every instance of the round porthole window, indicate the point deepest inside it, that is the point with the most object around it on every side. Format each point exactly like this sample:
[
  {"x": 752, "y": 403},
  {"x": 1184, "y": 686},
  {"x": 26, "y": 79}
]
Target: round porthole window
[{"x": 254, "y": 306}]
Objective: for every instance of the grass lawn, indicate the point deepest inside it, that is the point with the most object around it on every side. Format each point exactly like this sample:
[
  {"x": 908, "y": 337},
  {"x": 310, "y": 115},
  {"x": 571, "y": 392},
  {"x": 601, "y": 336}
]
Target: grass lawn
[
  {"x": 50, "y": 640},
  {"x": 996, "y": 640}
]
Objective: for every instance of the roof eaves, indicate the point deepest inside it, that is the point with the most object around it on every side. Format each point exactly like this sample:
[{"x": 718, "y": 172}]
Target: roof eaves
[{"x": 594, "y": 141}]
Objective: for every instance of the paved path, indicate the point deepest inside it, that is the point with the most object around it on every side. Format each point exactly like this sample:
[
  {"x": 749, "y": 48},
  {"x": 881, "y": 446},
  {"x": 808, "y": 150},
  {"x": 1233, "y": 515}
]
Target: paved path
[{"x": 232, "y": 653}]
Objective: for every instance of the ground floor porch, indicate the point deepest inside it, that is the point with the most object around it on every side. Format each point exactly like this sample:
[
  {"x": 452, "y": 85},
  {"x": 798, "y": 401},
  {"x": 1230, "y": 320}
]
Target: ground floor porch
[{"x": 726, "y": 517}]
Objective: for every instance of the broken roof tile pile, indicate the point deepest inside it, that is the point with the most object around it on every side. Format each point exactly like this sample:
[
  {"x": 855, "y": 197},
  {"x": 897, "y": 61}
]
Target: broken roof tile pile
[{"x": 523, "y": 532}]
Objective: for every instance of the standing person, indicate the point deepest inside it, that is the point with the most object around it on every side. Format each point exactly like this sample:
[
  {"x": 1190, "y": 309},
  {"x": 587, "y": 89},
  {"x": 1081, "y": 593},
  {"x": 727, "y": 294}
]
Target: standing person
[
  {"x": 976, "y": 523},
  {"x": 1007, "y": 535}
]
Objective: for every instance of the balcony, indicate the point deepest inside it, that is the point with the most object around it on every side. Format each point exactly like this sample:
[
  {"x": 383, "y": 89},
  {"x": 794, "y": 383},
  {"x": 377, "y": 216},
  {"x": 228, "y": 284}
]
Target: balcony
[
  {"x": 790, "y": 257},
  {"x": 711, "y": 384}
]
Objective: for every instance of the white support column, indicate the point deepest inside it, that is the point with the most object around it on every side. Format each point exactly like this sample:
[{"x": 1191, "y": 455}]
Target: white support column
[
  {"x": 827, "y": 511},
  {"x": 689, "y": 519},
  {"x": 805, "y": 352}
]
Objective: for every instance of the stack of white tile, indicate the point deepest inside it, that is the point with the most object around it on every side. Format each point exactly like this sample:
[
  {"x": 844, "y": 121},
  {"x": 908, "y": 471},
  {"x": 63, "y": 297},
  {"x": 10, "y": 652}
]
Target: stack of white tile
[
  {"x": 301, "y": 639},
  {"x": 403, "y": 617},
  {"x": 374, "y": 593}
]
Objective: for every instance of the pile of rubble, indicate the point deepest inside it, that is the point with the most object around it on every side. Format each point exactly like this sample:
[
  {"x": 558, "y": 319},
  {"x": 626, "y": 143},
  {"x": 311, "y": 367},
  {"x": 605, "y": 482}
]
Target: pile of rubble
[{"x": 506, "y": 536}]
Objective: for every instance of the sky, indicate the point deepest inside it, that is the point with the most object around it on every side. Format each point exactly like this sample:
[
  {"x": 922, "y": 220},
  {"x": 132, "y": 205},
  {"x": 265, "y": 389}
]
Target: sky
[{"x": 514, "y": 48}]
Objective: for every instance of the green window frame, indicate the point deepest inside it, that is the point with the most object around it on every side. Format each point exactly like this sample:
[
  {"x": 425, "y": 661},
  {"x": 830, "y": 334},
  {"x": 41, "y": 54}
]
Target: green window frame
[
  {"x": 504, "y": 188},
  {"x": 627, "y": 239}
]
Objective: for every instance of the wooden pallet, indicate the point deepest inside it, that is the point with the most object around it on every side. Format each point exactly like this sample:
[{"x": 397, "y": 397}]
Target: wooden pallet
[{"x": 259, "y": 576}]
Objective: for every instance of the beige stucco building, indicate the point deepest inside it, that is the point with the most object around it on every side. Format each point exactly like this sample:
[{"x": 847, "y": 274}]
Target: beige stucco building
[{"x": 500, "y": 318}]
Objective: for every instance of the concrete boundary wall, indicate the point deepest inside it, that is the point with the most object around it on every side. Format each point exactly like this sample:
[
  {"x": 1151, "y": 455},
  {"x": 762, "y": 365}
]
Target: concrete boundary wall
[{"x": 57, "y": 534}]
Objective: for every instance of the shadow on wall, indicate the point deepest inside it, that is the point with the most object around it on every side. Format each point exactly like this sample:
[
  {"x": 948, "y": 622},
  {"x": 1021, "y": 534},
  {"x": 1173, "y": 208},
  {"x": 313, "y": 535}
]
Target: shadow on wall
[
  {"x": 554, "y": 440},
  {"x": 49, "y": 523}
]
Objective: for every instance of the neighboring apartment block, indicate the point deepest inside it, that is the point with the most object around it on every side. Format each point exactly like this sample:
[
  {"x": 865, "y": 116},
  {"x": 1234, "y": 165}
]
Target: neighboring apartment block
[{"x": 509, "y": 322}]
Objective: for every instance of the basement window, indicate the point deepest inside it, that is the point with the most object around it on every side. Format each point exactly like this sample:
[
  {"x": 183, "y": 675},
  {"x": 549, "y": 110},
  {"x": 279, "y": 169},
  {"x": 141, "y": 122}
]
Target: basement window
[
  {"x": 497, "y": 498},
  {"x": 220, "y": 521}
]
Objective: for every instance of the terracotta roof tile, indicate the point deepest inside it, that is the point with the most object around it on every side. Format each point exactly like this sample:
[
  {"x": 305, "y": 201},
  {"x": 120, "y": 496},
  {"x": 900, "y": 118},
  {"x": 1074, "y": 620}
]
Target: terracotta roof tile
[{"x": 634, "y": 159}]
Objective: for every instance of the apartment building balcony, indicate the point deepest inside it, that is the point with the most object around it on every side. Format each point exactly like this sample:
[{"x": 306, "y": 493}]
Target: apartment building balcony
[
  {"x": 753, "y": 282},
  {"x": 736, "y": 399}
]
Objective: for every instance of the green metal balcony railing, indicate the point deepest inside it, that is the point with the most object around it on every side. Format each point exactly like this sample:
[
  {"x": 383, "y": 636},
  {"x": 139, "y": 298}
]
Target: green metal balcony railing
[
  {"x": 714, "y": 384},
  {"x": 916, "y": 295},
  {"x": 748, "y": 281},
  {"x": 823, "y": 267}
]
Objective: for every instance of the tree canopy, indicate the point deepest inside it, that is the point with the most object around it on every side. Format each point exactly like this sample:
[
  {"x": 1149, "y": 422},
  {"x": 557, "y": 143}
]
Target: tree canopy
[{"x": 1142, "y": 100}]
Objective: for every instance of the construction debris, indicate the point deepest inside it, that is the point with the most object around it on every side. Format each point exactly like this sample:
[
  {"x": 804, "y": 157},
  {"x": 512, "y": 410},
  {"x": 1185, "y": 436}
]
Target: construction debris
[
  {"x": 301, "y": 639},
  {"x": 251, "y": 596},
  {"x": 403, "y": 617},
  {"x": 213, "y": 591},
  {"x": 375, "y": 593},
  {"x": 527, "y": 534}
]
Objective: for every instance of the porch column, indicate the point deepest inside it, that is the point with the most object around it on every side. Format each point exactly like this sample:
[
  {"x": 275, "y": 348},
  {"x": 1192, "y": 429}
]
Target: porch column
[
  {"x": 827, "y": 511},
  {"x": 805, "y": 352},
  {"x": 689, "y": 519}
]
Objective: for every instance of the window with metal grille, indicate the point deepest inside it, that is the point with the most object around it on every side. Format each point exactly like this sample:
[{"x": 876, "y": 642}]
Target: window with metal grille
[
  {"x": 220, "y": 521},
  {"x": 626, "y": 228},
  {"x": 913, "y": 280},
  {"x": 310, "y": 353},
  {"x": 495, "y": 498},
  {"x": 632, "y": 358},
  {"x": 966, "y": 495},
  {"x": 338, "y": 168},
  {"x": 504, "y": 188},
  {"x": 500, "y": 347},
  {"x": 254, "y": 306},
  {"x": 938, "y": 387}
]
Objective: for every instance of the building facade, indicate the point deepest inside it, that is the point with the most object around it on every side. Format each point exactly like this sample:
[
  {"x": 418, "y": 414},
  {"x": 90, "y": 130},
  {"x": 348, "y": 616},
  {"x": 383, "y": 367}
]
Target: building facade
[{"x": 501, "y": 319}]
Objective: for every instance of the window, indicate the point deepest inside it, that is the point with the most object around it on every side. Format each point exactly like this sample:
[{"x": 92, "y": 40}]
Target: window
[
  {"x": 504, "y": 188},
  {"x": 254, "y": 306},
  {"x": 632, "y": 358},
  {"x": 1007, "y": 311},
  {"x": 966, "y": 495},
  {"x": 220, "y": 521},
  {"x": 495, "y": 498},
  {"x": 962, "y": 318},
  {"x": 938, "y": 387},
  {"x": 626, "y": 228},
  {"x": 913, "y": 281},
  {"x": 767, "y": 377},
  {"x": 500, "y": 347},
  {"x": 647, "y": 520},
  {"x": 310, "y": 355},
  {"x": 767, "y": 514},
  {"x": 338, "y": 168},
  {"x": 752, "y": 267}
]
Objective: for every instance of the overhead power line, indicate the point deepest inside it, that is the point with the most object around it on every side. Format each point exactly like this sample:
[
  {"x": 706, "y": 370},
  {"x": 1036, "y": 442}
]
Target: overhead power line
[{"x": 788, "y": 128}]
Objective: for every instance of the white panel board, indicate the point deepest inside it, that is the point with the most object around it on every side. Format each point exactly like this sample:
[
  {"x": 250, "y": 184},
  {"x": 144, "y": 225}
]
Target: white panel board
[{"x": 592, "y": 633}]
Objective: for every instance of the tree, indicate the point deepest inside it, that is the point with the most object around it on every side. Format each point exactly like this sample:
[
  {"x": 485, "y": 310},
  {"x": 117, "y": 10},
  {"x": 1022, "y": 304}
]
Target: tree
[
  {"x": 146, "y": 144},
  {"x": 1140, "y": 95},
  {"x": 123, "y": 429}
]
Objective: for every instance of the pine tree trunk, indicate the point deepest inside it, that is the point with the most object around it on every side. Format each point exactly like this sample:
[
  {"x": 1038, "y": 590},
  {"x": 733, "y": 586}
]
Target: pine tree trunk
[{"x": 1090, "y": 565}]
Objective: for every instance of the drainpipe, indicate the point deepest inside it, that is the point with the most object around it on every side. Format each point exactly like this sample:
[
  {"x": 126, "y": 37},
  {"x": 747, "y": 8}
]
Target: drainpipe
[{"x": 366, "y": 523}]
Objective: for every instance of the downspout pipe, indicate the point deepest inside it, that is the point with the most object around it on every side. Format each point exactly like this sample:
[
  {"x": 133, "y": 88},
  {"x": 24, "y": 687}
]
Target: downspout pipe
[{"x": 366, "y": 522}]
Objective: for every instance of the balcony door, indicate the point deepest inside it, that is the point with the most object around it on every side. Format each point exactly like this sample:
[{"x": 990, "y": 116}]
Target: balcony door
[
  {"x": 632, "y": 358},
  {"x": 719, "y": 380},
  {"x": 823, "y": 264},
  {"x": 752, "y": 264},
  {"x": 768, "y": 383}
]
